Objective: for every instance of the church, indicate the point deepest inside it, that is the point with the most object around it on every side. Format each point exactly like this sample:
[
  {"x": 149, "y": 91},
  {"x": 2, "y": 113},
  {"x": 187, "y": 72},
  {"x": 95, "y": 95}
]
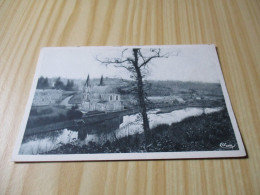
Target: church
[{"x": 100, "y": 97}]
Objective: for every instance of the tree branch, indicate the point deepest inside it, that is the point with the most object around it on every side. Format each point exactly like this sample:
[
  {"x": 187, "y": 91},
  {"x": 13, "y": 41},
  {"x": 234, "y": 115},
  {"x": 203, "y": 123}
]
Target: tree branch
[
  {"x": 140, "y": 54},
  {"x": 116, "y": 61},
  {"x": 129, "y": 68},
  {"x": 122, "y": 54},
  {"x": 157, "y": 54}
]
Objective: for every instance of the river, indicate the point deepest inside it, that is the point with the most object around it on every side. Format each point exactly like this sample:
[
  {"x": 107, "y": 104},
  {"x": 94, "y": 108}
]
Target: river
[{"x": 132, "y": 124}]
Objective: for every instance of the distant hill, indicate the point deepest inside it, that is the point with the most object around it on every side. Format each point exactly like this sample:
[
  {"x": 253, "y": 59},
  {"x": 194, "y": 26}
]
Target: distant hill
[
  {"x": 177, "y": 87},
  {"x": 153, "y": 87}
]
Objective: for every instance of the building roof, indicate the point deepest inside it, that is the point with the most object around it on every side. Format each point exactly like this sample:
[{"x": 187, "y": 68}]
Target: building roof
[
  {"x": 102, "y": 101},
  {"x": 104, "y": 89}
]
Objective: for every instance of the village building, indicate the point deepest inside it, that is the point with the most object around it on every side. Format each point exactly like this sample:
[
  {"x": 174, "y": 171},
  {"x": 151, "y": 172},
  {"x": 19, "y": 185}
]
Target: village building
[{"x": 98, "y": 98}]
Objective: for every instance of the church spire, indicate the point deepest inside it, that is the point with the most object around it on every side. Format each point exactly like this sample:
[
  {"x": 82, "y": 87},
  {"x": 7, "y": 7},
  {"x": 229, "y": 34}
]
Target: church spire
[
  {"x": 101, "y": 83},
  {"x": 87, "y": 82}
]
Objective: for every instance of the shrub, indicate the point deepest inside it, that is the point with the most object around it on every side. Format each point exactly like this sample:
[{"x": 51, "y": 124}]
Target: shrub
[{"x": 73, "y": 113}]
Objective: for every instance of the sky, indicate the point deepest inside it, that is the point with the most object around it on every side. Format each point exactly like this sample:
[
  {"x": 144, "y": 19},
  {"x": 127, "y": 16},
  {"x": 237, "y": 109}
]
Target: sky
[{"x": 185, "y": 63}]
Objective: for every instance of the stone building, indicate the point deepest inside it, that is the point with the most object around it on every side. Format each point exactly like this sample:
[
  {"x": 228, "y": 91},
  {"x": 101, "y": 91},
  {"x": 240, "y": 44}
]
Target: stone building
[{"x": 100, "y": 98}]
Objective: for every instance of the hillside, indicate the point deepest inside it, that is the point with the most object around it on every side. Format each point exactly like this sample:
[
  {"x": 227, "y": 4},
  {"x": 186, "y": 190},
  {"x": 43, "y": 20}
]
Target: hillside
[{"x": 153, "y": 87}]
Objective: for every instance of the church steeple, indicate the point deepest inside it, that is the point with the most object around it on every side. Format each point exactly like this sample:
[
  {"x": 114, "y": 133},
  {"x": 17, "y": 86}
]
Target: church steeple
[
  {"x": 87, "y": 84},
  {"x": 101, "y": 83}
]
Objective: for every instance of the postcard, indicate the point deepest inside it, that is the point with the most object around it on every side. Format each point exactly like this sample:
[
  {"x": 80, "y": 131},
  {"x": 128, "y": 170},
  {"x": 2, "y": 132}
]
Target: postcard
[{"x": 128, "y": 103}]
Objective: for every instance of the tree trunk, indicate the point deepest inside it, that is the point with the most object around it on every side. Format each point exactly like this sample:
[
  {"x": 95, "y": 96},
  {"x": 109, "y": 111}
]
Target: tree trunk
[{"x": 142, "y": 99}]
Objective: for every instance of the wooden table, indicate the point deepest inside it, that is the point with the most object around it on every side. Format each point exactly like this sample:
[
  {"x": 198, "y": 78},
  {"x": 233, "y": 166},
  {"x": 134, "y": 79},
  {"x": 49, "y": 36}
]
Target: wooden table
[{"x": 233, "y": 25}]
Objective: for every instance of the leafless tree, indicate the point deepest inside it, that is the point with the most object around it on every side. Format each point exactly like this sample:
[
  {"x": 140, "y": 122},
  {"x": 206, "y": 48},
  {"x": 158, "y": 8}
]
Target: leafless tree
[{"x": 136, "y": 61}]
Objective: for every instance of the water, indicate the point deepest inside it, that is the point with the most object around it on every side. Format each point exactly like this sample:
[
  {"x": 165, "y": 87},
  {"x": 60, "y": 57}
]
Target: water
[
  {"x": 132, "y": 124},
  {"x": 36, "y": 145}
]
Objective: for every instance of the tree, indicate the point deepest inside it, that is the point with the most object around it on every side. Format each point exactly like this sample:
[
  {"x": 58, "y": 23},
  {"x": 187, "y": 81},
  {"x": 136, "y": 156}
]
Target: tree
[
  {"x": 137, "y": 64},
  {"x": 69, "y": 86},
  {"x": 58, "y": 84},
  {"x": 74, "y": 113},
  {"x": 43, "y": 83}
]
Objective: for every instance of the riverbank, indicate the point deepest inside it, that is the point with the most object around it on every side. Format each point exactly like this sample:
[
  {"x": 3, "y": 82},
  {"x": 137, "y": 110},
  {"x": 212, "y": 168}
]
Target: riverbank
[{"x": 198, "y": 133}]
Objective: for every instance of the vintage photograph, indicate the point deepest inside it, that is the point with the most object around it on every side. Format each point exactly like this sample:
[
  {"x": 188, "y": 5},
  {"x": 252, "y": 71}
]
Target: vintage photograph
[{"x": 131, "y": 102}]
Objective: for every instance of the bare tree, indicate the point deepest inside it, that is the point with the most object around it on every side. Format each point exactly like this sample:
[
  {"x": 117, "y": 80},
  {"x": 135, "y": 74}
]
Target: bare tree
[{"x": 136, "y": 62}]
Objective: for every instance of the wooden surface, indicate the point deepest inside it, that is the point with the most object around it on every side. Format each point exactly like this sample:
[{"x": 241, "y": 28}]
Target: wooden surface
[{"x": 233, "y": 25}]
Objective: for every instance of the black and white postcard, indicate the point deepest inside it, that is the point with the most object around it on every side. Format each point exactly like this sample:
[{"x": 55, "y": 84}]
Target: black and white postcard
[{"x": 129, "y": 102}]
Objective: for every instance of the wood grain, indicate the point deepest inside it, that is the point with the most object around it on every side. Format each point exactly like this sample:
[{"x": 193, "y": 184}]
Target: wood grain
[{"x": 233, "y": 25}]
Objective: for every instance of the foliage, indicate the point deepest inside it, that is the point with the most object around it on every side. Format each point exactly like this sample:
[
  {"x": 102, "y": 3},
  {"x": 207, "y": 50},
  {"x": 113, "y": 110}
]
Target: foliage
[
  {"x": 43, "y": 83},
  {"x": 69, "y": 86},
  {"x": 59, "y": 84},
  {"x": 74, "y": 113}
]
